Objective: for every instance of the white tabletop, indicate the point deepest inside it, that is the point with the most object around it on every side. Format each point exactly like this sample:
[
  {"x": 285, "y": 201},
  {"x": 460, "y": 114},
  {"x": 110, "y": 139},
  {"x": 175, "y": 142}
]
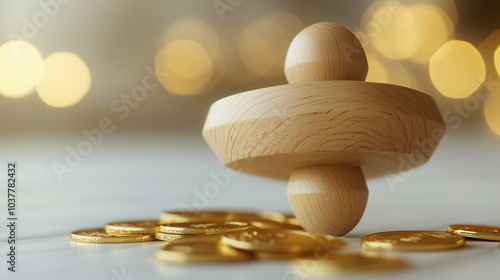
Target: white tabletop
[{"x": 131, "y": 177}]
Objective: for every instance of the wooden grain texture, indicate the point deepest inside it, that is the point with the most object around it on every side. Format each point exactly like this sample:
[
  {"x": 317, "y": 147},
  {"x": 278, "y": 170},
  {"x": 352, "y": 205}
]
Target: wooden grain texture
[
  {"x": 268, "y": 132},
  {"x": 328, "y": 198},
  {"x": 325, "y": 51}
]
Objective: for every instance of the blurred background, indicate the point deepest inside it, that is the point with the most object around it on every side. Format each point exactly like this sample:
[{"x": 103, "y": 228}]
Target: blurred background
[{"x": 102, "y": 102}]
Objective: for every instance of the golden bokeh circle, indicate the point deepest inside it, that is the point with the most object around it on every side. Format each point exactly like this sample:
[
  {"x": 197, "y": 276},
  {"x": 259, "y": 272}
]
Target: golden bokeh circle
[
  {"x": 457, "y": 69},
  {"x": 492, "y": 111},
  {"x": 497, "y": 60},
  {"x": 63, "y": 79},
  {"x": 434, "y": 29},
  {"x": 391, "y": 28},
  {"x": 184, "y": 67},
  {"x": 19, "y": 63}
]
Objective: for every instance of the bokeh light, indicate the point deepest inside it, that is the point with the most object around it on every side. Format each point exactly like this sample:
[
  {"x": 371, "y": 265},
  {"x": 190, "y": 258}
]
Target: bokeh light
[
  {"x": 290, "y": 23},
  {"x": 457, "y": 69},
  {"x": 376, "y": 70},
  {"x": 447, "y": 6},
  {"x": 434, "y": 29},
  {"x": 492, "y": 111},
  {"x": 264, "y": 43},
  {"x": 194, "y": 30},
  {"x": 497, "y": 59},
  {"x": 236, "y": 71},
  {"x": 383, "y": 70},
  {"x": 63, "y": 79},
  {"x": 19, "y": 63},
  {"x": 414, "y": 32},
  {"x": 391, "y": 28},
  {"x": 398, "y": 74},
  {"x": 488, "y": 49},
  {"x": 188, "y": 58},
  {"x": 184, "y": 67}
]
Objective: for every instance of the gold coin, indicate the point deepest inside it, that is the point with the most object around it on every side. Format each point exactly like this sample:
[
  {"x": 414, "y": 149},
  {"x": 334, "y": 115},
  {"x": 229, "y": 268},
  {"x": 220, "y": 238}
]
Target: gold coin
[
  {"x": 192, "y": 217},
  {"x": 167, "y": 236},
  {"x": 243, "y": 216},
  {"x": 200, "y": 249},
  {"x": 282, "y": 218},
  {"x": 272, "y": 224},
  {"x": 100, "y": 236},
  {"x": 412, "y": 241},
  {"x": 203, "y": 228},
  {"x": 170, "y": 237},
  {"x": 126, "y": 228},
  {"x": 281, "y": 240},
  {"x": 352, "y": 262},
  {"x": 476, "y": 231},
  {"x": 280, "y": 256}
]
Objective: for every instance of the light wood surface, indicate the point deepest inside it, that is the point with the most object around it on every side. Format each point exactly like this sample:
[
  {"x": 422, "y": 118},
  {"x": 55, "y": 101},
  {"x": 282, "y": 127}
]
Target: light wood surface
[
  {"x": 270, "y": 131},
  {"x": 325, "y": 51}
]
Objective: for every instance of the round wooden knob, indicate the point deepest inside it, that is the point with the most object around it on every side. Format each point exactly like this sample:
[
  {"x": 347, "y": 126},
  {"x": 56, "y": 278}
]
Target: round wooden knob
[
  {"x": 325, "y": 51},
  {"x": 327, "y": 198}
]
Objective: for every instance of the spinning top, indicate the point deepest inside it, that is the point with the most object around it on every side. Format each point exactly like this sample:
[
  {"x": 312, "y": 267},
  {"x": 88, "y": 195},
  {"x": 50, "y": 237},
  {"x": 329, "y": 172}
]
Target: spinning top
[{"x": 325, "y": 130}]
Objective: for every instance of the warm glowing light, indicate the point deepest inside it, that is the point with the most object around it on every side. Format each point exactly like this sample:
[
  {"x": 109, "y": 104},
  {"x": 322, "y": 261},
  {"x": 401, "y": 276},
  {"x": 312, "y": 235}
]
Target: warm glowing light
[
  {"x": 263, "y": 46},
  {"x": 193, "y": 30},
  {"x": 434, "y": 29},
  {"x": 399, "y": 31},
  {"x": 184, "y": 67},
  {"x": 63, "y": 79},
  {"x": 497, "y": 60},
  {"x": 188, "y": 58},
  {"x": 489, "y": 49},
  {"x": 19, "y": 62},
  {"x": 448, "y": 6},
  {"x": 387, "y": 71},
  {"x": 391, "y": 28},
  {"x": 376, "y": 70},
  {"x": 236, "y": 72},
  {"x": 492, "y": 111},
  {"x": 290, "y": 23},
  {"x": 398, "y": 74},
  {"x": 457, "y": 69}
]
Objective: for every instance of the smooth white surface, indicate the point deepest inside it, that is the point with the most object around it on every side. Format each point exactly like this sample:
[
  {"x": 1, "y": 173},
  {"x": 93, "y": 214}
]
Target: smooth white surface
[{"x": 137, "y": 176}]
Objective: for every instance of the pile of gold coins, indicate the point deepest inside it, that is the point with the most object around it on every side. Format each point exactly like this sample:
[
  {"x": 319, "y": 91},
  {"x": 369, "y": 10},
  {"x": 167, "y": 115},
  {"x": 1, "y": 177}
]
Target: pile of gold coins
[{"x": 221, "y": 236}]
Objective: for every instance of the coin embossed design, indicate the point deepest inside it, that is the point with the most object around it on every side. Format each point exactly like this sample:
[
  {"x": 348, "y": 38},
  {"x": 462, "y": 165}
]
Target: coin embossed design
[
  {"x": 279, "y": 240},
  {"x": 100, "y": 236},
  {"x": 200, "y": 249},
  {"x": 476, "y": 231},
  {"x": 131, "y": 227},
  {"x": 203, "y": 228},
  {"x": 412, "y": 241}
]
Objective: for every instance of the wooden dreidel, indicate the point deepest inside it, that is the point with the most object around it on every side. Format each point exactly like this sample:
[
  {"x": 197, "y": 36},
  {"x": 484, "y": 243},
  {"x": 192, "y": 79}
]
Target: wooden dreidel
[{"x": 326, "y": 130}]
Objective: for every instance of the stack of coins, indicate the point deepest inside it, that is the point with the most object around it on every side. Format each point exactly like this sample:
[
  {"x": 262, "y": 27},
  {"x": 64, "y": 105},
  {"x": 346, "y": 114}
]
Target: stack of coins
[
  {"x": 175, "y": 225},
  {"x": 217, "y": 236},
  {"x": 169, "y": 232},
  {"x": 118, "y": 232},
  {"x": 227, "y": 236}
]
